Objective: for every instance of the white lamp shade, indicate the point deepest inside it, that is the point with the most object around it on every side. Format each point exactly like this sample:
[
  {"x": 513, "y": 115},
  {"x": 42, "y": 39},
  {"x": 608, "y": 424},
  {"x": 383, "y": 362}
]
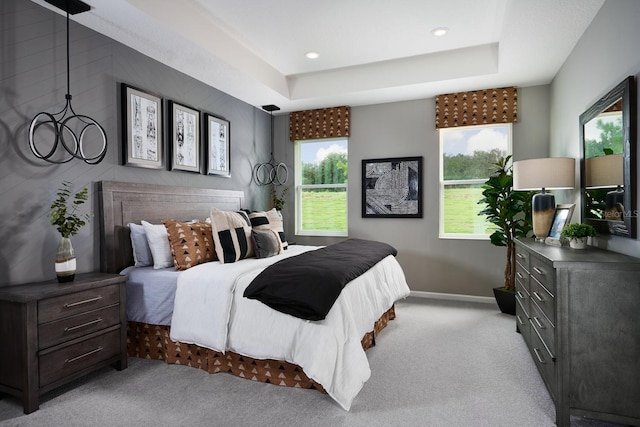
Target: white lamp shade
[
  {"x": 549, "y": 173},
  {"x": 604, "y": 171}
]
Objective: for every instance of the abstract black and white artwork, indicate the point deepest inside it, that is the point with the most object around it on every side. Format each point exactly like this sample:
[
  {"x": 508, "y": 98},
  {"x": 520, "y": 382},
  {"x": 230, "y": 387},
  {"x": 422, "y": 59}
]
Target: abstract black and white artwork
[
  {"x": 185, "y": 135},
  {"x": 392, "y": 188},
  {"x": 218, "y": 147},
  {"x": 142, "y": 129}
]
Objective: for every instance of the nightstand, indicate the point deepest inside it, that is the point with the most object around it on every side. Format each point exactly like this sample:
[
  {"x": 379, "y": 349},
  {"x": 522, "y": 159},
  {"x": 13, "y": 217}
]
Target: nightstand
[{"x": 53, "y": 333}]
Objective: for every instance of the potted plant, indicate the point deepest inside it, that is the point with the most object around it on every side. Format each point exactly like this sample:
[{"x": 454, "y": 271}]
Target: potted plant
[
  {"x": 68, "y": 222},
  {"x": 510, "y": 212},
  {"x": 279, "y": 201},
  {"x": 577, "y": 233}
]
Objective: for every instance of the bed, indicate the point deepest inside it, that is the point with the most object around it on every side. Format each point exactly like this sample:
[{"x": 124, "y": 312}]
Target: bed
[{"x": 200, "y": 318}]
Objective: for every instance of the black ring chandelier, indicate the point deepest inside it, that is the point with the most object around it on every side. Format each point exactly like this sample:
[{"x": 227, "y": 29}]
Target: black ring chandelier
[
  {"x": 271, "y": 172},
  {"x": 61, "y": 123}
]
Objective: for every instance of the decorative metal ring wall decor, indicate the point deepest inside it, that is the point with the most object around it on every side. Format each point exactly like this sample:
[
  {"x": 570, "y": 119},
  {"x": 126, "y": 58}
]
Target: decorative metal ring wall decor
[
  {"x": 60, "y": 123},
  {"x": 271, "y": 172}
]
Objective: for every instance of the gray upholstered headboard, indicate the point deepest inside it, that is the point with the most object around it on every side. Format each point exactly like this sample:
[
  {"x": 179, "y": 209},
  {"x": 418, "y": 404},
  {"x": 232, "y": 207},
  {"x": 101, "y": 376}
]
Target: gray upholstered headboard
[{"x": 124, "y": 202}]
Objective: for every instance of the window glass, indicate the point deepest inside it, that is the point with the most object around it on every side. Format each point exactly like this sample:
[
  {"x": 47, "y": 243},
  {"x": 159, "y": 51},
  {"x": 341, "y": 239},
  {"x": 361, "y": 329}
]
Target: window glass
[
  {"x": 321, "y": 187},
  {"x": 467, "y": 157}
]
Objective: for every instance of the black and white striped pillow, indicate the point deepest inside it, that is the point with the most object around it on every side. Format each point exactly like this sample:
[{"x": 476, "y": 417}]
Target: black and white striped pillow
[{"x": 231, "y": 235}]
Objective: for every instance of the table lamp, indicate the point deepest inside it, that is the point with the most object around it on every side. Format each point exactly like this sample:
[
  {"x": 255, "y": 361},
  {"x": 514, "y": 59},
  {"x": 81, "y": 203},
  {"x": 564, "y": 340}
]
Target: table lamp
[
  {"x": 606, "y": 172},
  {"x": 553, "y": 173}
]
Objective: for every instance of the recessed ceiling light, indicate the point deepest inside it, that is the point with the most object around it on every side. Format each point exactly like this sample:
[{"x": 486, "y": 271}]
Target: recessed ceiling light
[
  {"x": 312, "y": 55},
  {"x": 440, "y": 31}
]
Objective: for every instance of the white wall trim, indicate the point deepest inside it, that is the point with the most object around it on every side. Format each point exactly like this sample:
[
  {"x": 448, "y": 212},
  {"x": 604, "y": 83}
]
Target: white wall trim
[{"x": 453, "y": 297}]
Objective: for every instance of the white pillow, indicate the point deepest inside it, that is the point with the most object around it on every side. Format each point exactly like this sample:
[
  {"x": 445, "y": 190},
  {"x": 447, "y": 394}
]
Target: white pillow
[{"x": 158, "y": 240}]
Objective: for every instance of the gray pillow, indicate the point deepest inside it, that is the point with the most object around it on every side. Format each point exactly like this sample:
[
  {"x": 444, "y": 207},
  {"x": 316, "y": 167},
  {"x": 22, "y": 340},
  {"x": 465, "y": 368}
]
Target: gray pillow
[
  {"x": 141, "y": 252},
  {"x": 266, "y": 243}
]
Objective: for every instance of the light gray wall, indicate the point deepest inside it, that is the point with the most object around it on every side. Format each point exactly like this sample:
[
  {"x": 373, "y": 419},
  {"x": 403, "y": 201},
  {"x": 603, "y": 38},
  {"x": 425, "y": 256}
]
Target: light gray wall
[
  {"x": 33, "y": 79},
  {"x": 408, "y": 129},
  {"x": 605, "y": 55}
]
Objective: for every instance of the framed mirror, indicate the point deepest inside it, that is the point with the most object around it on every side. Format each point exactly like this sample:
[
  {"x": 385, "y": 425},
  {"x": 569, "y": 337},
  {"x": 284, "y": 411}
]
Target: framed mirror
[{"x": 608, "y": 150}]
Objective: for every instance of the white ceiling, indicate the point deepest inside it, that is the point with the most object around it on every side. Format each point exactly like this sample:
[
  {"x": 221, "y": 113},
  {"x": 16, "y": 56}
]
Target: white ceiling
[{"x": 371, "y": 51}]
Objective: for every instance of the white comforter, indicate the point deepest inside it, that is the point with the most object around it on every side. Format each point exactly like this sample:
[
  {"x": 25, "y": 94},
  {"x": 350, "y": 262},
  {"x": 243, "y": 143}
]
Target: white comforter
[{"x": 210, "y": 311}]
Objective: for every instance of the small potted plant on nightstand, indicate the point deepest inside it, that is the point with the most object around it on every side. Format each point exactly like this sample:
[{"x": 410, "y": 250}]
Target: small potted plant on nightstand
[
  {"x": 68, "y": 223},
  {"x": 577, "y": 233}
]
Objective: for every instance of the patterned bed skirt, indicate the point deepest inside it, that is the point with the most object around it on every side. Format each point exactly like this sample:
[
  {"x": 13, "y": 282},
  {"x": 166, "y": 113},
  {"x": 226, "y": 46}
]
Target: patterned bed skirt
[{"x": 153, "y": 342}]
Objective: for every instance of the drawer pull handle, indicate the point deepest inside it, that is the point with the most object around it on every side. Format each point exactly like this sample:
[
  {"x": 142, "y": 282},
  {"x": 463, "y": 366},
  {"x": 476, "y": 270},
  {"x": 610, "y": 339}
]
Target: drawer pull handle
[
  {"x": 520, "y": 320},
  {"x": 540, "y": 325},
  {"x": 520, "y": 275},
  {"x": 86, "y": 301},
  {"x": 520, "y": 295},
  {"x": 520, "y": 256},
  {"x": 89, "y": 353},
  {"x": 538, "y": 297},
  {"x": 84, "y": 325},
  {"x": 539, "y": 356},
  {"x": 537, "y": 270}
]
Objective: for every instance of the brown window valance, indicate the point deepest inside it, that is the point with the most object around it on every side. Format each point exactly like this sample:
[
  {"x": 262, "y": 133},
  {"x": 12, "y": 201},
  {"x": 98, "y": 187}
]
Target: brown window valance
[
  {"x": 479, "y": 107},
  {"x": 321, "y": 123}
]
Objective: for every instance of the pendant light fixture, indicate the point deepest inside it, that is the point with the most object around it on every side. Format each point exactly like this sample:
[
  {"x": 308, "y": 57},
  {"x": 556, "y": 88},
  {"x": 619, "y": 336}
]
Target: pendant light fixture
[
  {"x": 61, "y": 125},
  {"x": 271, "y": 172}
]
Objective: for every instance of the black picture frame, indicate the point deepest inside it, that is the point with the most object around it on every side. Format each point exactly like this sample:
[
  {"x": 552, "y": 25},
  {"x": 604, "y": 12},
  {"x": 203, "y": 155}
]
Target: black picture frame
[
  {"x": 392, "y": 187},
  {"x": 218, "y": 146},
  {"x": 142, "y": 128},
  {"x": 561, "y": 218},
  {"x": 184, "y": 134}
]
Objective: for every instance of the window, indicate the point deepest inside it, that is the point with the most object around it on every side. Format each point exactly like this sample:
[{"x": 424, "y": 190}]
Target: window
[
  {"x": 321, "y": 187},
  {"x": 467, "y": 155}
]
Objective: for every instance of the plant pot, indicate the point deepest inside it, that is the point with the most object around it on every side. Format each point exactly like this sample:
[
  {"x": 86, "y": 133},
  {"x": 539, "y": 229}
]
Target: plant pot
[
  {"x": 65, "y": 261},
  {"x": 506, "y": 300},
  {"x": 578, "y": 242}
]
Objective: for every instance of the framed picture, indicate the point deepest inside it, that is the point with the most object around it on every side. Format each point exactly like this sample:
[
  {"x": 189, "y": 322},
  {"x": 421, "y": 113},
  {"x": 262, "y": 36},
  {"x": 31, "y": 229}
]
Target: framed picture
[
  {"x": 184, "y": 131},
  {"x": 392, "y": 188},
  {"x": 143, "y": 144},
  {"x": 561, "y": 218},
  {"x": 218, "y": 146}
]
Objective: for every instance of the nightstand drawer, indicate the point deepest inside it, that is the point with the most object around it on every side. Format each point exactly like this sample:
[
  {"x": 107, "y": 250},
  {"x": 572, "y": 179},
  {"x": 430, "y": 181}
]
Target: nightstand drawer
[
  {"x": 543, "y": 299},
  {"x": 51, "y": 309},
  {"x": 65, "y": 361},
  {"x": 59, "y": 331}
]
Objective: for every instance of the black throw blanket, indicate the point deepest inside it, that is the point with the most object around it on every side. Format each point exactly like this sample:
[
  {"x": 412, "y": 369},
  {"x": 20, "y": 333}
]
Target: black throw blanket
[{"x": 307, "y": 285}]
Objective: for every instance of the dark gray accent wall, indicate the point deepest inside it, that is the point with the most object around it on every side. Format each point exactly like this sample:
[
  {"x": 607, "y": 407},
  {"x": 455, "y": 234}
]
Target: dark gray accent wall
[{"x": 33, "y": 79}]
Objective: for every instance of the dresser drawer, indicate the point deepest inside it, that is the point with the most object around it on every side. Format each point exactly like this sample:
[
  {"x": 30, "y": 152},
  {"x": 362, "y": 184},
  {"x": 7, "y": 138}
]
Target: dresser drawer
[
  {"x": 544, "y": 327},
  {"x": 541, "y": 297},
  {"x": 522, "y": 278},
  {"x": 544, "y": 361},
  {"x": 522, "y": 258},
  {"x": 67, "y": 360},
  {"x": 544, "y": 273},
  {"x": 522, "y": 322},
  {"x": 51, "y": 309},
  {"x": 59, "y": 331}
]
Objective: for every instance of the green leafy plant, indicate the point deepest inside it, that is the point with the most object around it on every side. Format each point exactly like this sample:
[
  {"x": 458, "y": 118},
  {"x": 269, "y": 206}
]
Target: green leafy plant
[
  {"x": 578, "y": 230},
  {"x": 509, "y": 211},
  {"x": 279, "y": 201},
  {"x": 65, "y": 217}
]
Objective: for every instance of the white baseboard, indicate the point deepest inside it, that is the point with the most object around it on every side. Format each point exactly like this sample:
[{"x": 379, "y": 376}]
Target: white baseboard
[{"x": 453, "y": 297}]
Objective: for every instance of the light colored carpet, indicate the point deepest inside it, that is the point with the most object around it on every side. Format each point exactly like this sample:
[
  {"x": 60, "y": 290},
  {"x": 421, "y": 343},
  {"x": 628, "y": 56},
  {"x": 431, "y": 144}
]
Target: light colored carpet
[{"x": 440, "y": 363}]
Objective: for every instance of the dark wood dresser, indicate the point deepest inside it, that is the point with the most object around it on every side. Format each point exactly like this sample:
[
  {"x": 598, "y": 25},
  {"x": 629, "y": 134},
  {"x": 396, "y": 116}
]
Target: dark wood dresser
[
  {"x": 579, "y": 313},
  {"x": 53, "y": 333}
]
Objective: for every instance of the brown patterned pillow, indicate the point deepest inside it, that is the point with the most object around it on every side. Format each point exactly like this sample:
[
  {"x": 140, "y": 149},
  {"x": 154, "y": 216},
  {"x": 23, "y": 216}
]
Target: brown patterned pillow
[{"x": 191, "y": 243}]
